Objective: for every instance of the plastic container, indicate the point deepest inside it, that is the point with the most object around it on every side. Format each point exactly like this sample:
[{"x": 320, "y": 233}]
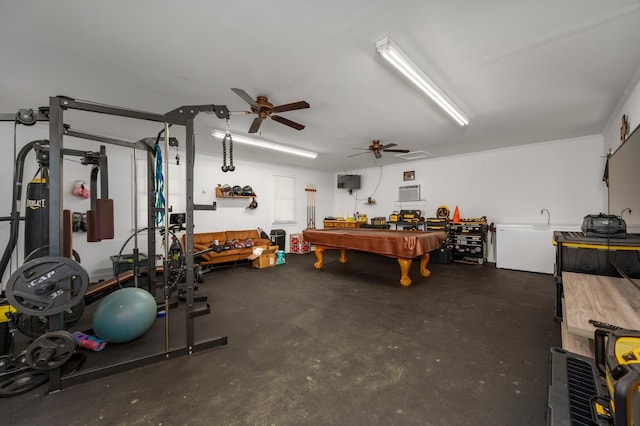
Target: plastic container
[{"x": 277, "y": 237}]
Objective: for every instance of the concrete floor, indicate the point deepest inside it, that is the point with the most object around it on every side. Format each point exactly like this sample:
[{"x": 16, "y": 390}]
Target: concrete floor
[{"x": 346, "y": 345}]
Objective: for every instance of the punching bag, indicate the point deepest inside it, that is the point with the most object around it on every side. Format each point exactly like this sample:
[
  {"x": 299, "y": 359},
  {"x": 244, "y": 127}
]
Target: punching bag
[{"x": 36, "y": 222}]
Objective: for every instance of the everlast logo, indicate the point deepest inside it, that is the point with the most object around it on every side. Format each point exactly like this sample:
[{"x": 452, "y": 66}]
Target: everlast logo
[{"x": 36, "y": 204}]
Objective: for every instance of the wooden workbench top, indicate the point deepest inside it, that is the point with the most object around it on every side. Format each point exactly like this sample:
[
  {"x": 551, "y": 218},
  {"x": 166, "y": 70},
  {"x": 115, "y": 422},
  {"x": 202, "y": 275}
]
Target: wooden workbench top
[{"x": 610, "y": 300}]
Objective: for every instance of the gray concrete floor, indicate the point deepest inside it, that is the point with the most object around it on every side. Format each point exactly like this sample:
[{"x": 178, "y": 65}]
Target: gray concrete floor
[{"x": 346, "y": 345}]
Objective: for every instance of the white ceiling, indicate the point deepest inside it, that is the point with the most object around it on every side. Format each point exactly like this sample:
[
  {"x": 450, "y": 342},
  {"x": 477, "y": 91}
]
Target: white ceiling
[{"x": 524, "y": 72}]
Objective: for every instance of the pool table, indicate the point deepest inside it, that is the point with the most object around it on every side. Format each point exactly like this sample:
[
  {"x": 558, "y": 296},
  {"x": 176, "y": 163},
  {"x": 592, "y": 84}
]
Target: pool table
[{"x": 401, "y": 245}]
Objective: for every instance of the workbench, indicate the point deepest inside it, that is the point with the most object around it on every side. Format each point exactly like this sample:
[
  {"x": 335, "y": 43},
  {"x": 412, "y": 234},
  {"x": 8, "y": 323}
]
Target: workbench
[{"x": 610, "y": 300}]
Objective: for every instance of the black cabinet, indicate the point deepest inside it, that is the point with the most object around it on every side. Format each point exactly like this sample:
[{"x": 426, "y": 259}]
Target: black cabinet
[{"x": 469, "y": 241}]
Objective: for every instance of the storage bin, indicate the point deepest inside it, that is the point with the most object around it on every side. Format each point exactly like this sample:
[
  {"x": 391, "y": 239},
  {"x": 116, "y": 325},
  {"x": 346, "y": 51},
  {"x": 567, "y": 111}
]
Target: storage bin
[{"x": 277, "y": 237}]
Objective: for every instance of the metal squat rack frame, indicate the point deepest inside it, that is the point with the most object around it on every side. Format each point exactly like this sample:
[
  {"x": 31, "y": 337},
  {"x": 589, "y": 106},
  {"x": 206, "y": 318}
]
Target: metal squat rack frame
[{"x": 183, "y": 116}]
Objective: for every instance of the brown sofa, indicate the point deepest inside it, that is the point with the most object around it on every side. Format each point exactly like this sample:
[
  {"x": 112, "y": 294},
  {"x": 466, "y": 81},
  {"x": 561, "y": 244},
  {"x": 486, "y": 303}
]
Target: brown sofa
[{"x": 202, "y": 241}]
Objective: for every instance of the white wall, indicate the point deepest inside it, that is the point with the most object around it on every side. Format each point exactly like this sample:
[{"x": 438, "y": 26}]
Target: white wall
[
  {"x": 630, "y": 106},
  {"x": 507, "y": 186}
]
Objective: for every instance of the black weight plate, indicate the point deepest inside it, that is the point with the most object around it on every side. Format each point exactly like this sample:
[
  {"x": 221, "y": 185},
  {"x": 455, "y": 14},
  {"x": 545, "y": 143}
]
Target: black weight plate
[
  {"x": 5, "y": 363},
  {"x": 51, "y": 350},
  {"x": 21, "y": 360},
  {"x": 44, "y": 251},
  {"x": 34, "y": 327},
  {"x": 47, "y": 286},
  {"x": 23, "y": 382},
  {"x": 31, "y": 326},
  {"x": 198, "y": 274}
]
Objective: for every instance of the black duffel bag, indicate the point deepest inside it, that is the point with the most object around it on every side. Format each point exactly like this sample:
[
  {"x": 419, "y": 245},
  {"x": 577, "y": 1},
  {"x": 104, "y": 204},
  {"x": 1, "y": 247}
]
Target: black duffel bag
[{"x": 604, "y": 226}]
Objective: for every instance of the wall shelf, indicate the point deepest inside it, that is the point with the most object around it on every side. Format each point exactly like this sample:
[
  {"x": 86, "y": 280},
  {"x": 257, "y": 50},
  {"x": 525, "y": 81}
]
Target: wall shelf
[{"x": 219, "y": 194}]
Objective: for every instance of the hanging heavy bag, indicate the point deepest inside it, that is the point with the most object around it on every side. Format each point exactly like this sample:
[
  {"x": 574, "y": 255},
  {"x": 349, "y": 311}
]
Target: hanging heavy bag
[
  {"x": 36, "y": 227},
  {"x": 604, "y": 226}
]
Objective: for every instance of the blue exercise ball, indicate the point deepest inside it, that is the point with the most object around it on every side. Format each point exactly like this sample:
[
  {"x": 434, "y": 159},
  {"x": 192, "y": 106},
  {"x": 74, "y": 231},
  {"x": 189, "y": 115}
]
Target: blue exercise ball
[{"x": 124, "y": 315}]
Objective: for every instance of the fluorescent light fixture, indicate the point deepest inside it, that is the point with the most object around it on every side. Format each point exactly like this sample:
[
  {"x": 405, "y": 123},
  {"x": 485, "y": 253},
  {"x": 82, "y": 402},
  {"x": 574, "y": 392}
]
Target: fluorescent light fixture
[
  {"x": 390, "y": 51},
  {"x": 264, "y": 144}
]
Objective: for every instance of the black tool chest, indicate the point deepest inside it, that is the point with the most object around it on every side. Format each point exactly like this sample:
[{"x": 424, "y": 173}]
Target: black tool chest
[
  {"x": 469, "y": 240},
  {"x": 443, "y": 254}
]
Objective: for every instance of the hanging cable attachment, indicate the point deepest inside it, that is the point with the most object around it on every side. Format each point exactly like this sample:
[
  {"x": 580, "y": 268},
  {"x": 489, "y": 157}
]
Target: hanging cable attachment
[
  {"x": 224, "y": 167},
  {"x": 231, "y": 166},
  {"x": 227, "y": 135}
]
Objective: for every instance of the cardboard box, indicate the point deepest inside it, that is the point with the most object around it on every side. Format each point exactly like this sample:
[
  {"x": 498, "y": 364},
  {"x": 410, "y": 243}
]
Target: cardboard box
[{"x": 266, "y": 259}]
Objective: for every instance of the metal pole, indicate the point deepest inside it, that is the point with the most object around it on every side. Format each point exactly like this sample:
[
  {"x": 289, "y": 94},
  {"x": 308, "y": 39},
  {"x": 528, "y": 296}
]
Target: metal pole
[
  {"x": 190, "y": 154},
  {"x": 56, "y": 129},
  {"x": 135, "y": 218},
  {"x": 166, "y": 238}
]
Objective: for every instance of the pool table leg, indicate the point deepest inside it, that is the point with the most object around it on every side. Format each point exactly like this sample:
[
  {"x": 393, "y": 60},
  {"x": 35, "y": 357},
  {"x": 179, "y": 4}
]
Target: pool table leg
[
  {"x": 319, "y": 250},
  {"x": 319, "y": 255},
  {"x": 424, "y": 261},
  {"x": 405, "y": 266}
]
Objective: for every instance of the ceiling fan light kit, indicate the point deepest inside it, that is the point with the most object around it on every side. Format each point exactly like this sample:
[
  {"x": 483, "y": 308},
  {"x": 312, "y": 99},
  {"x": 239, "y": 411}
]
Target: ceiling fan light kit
[
  {"x": 264, "y": 144},
  {"x": 377, "y": 149},
  {"x": 390, "y": 51},
  {"x": 265, "y": 109}
]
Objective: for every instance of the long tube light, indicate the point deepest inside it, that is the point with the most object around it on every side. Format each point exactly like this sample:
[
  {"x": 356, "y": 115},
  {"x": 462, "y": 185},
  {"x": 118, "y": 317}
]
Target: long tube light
[
  {"x": 264, "y": 144},
  {"x": 390, "y": 51}
]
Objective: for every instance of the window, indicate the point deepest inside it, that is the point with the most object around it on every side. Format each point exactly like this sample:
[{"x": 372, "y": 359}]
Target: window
[{"x": 284, "y": 201}]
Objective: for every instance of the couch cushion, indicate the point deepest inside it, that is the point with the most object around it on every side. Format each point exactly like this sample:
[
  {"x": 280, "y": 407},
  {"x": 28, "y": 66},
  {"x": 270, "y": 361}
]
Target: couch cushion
[
  {"x": 243, "y": 235},
  {"x": 207, "y": 237}
]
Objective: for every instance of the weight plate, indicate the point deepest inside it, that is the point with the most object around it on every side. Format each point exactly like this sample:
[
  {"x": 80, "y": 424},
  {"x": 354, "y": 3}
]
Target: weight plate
[
  {"x": 23, "y": 382},
  {"x": 21, "y": 360},
  {"x": 44, "y": 251},
  {"x": 51, "y": 350},
  {"x": 5, "y": 363},
  {"x": 47, "y": 286},
  {"x": 198, "y": 274},
  {"x": 8, "y": 364},
  {"x": 34, "y": 327}
]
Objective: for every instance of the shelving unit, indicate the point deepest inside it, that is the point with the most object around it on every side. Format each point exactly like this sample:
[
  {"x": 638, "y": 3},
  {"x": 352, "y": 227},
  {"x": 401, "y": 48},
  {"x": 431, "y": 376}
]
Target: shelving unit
[
  {"x": 469, "y": 241},
  {"x": 219, "y": 194},
  {"x": 443, "y": 254},
  {"x": 343, "y": 223}
]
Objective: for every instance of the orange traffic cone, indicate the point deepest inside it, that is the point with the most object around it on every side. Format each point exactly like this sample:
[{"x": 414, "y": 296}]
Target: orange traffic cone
[{"x": 456, "y": 215}]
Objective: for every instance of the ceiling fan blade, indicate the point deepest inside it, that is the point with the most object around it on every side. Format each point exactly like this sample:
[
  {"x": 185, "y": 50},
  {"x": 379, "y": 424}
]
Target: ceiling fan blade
[
  {"x": 255, "y": 125},
  {"x": 353, "y": 155},
  {"x": 291, "y": 106},
  {"x": 389, "y": 145},
  {"x": 397, "y": 150},
  {"x": 287, "y": 122},
  {"x": 248, "y": 99}
]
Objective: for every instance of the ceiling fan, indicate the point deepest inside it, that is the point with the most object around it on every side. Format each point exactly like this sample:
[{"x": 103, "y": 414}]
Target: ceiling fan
[
  {"x": 377, "y": 149},
  {"x": 263, "y": 108}
]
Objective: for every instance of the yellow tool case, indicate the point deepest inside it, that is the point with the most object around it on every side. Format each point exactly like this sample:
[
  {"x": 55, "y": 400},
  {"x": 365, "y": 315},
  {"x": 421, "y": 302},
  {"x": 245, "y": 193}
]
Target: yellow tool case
[{"x": 597, "y": 392}]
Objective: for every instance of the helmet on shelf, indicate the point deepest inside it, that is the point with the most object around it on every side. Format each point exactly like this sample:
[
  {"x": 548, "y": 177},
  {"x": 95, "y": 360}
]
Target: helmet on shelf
[
  {"x": 226, "y": 189},
  {"x": 247, "y": 190},
  {"x": 237, "y": 190}
]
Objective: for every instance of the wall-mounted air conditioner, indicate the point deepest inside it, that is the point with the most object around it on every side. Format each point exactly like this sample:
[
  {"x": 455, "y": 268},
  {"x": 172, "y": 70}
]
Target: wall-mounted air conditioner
[{"x": 409, "y": 193}]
